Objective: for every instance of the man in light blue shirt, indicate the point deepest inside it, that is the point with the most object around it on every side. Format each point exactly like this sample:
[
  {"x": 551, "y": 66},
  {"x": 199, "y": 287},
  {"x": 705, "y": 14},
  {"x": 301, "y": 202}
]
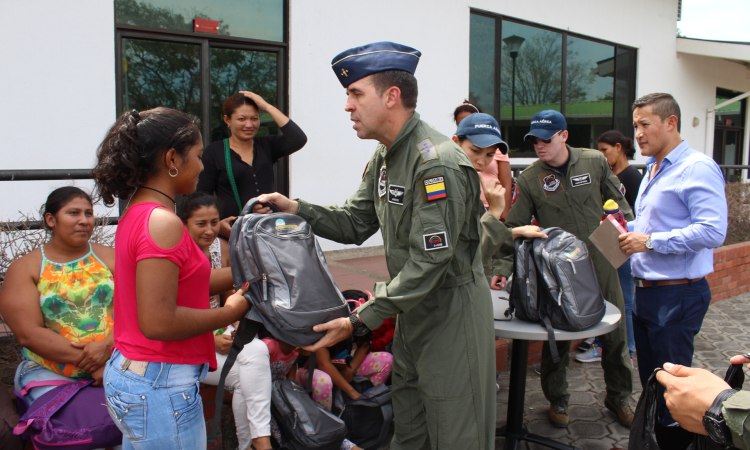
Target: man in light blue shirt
[{"x": 681, "y": 216}]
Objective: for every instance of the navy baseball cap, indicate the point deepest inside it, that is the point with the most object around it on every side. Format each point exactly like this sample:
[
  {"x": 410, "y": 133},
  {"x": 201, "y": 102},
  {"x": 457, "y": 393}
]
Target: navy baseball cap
[
  {"x": 359, "y": 62},
  {"x": 546, "y": 124},
  {"x": 482, "y": 130}
]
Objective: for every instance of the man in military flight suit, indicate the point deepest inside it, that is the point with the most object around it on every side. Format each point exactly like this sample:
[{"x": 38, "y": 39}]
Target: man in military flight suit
[
  {"x": 422, "y": 192},
  {"x": 566, "y": 187}
]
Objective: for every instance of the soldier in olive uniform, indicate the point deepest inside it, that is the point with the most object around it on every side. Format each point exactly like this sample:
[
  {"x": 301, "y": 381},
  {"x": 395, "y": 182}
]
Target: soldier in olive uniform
[
  {"x": 422, "y": 192},
  {"x": 566, "y": 187}
]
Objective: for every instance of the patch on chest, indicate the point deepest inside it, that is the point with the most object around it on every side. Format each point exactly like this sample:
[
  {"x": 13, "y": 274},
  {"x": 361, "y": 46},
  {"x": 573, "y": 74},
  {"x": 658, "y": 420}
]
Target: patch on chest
[
  {"x": 433, "y": 188},
  {"x": 381, "y": 182},
  {"x": 580, "y": 180},
  {"x": 435, "y": 241},
  {"x": 551, "y": 184},
  {"x": 427, "y": 150},
  {"x": 396, "y": 194}
]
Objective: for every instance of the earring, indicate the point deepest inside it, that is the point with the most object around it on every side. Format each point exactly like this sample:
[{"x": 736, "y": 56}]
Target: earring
[{"x": 176, "y": 172}]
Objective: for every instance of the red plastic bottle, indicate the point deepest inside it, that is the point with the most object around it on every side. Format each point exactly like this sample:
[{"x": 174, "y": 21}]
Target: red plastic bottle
[{"x": 611, "y": 208}]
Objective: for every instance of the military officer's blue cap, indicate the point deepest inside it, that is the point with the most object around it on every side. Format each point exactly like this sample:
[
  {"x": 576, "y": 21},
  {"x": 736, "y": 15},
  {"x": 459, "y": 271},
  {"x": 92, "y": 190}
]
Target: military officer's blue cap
[
  {"x": 359, "y": 62},
  {"x": 483, "y": 131},
  {"x": 546, "y": 124}
]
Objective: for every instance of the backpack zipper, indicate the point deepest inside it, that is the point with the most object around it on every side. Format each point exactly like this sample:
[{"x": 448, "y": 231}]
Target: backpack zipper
[
  {"x": 296, "y": 418},
  {"x": 265, "y": 286}
]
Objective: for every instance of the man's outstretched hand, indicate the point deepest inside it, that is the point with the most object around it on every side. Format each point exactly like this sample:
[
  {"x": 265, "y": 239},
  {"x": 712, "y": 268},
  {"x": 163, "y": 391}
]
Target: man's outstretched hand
[
  {"x": 284, "y": 204},
  {"x": 336, "y": 331},
  {"x": 690, "y": 392}
]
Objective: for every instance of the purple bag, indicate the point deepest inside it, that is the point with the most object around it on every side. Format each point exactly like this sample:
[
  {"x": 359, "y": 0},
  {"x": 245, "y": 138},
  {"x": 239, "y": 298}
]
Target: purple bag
[{"x": 72, "y": 416}]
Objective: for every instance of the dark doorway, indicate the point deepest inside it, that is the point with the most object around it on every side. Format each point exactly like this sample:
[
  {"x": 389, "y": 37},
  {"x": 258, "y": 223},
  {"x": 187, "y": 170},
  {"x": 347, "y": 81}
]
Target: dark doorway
[{"x": 729, "y": 133}]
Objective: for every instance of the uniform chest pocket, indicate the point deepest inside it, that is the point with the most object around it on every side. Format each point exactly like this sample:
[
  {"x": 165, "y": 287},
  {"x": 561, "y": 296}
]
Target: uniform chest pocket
[{"x": 401, "y": 211}]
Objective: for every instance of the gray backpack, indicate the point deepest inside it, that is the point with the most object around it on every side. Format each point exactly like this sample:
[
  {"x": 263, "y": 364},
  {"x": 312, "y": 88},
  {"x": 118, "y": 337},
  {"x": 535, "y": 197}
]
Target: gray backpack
[
  {"x": 291, "y": 288},
  {"x": 555, "y": 283}
]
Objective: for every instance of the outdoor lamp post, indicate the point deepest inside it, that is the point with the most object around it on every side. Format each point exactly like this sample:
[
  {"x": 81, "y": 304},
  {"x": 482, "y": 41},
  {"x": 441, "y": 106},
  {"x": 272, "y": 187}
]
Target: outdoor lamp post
[{"x": 514, "y": 44}]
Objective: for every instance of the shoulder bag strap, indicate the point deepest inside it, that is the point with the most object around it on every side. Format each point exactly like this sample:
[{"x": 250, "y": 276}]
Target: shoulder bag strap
[
  {"x": 244, "y": 335},
  {"x": 230, "y": 173}
]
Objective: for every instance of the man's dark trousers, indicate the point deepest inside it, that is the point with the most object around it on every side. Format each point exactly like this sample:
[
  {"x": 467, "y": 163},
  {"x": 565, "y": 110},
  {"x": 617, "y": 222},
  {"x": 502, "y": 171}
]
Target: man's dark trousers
[{"x": 665, "y": 322}]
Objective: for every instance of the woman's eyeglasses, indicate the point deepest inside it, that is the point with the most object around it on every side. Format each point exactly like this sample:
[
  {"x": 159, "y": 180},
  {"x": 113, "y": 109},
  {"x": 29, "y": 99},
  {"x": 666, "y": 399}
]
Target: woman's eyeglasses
[{"x": 535, "y": 140}]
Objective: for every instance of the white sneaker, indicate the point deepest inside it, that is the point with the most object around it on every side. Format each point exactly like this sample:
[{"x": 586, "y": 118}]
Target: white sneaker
[{"x": 593, "y": 355}]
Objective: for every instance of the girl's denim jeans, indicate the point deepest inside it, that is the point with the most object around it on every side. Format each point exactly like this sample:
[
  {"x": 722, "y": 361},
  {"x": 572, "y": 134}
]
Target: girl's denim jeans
[{"x": 159, "y": 410}]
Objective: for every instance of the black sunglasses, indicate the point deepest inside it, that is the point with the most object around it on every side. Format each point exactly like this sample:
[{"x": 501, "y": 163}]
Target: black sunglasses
[{"x": 533, "y": 140}]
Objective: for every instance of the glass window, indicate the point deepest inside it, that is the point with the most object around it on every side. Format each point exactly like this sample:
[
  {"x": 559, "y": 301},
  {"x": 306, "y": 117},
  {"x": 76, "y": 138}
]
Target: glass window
[
  {"x": 482, "y": 63},
  {"x": 233, "y": 70},
  {"x": 530, "y": 79},
  {"x": 156, "y": 73},
  {"x": 591, "y": 83},
  {"x": 255, "y": 19},
  {"x": 732, "y": 115},
  {"x": 589, "y": 96},
  {"x": 625, "y": 63}
]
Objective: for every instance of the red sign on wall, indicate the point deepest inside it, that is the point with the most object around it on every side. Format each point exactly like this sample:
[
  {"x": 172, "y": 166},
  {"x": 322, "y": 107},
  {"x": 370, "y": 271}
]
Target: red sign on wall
[
  {"x": 728, "y": 122},
  {"x": 206, "y": 26}
]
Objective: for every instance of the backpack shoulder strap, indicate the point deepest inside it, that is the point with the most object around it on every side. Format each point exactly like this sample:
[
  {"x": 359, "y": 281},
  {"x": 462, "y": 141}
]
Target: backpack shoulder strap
[
  {"x": 230, "y": 173},
  {"x": 58, "y": 401},
  {"x": 310, "y": 369},
  {"x": 244, "y": 335}
]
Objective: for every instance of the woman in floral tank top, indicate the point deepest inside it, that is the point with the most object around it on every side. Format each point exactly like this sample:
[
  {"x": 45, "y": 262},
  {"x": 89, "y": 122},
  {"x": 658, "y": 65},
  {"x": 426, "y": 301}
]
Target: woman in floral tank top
[{"x": 57, "y": 299}]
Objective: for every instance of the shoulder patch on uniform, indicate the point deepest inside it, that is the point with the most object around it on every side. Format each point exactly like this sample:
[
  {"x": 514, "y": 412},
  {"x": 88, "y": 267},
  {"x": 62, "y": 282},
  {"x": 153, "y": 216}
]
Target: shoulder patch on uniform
[
  {"x": 433, "y": 188},
  {"x": 622, "y": 189},
  {"x": 367, "y": 169},
  {"x": 427, "y": 150},
  {"x": 435, "y": 241}
]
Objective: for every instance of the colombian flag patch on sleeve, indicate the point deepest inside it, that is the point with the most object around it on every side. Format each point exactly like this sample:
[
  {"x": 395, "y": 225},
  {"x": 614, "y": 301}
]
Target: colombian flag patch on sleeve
[{"x": 434, "y": 188}]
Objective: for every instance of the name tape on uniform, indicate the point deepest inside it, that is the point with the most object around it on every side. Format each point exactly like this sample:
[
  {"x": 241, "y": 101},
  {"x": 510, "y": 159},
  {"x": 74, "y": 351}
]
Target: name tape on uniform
[
  {"x": 396, "y": 194},
  {"x": 580, "y": 180},
  {"x": 427, "y": 150},
  {"x": 434, "y": 188},
  {"x": 435, "y": 241}
]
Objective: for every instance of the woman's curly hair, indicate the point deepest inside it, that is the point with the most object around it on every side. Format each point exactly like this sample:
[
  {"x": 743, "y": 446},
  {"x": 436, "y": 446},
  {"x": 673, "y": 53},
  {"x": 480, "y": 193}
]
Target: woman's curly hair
[{"x": 129, "y": 153}]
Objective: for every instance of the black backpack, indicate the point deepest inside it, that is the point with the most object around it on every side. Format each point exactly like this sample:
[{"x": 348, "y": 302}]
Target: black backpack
[
  {"x": 304, "y": 424},
  {"x": 368, "y": 418},
  {"x": 291, "y": 288},
  {"x": 555, "y": 283}
]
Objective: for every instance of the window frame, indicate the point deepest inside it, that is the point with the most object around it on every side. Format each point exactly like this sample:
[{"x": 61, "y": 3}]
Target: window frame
[
  {"x": 207, "y": 41},
  {"x": 499, "y": 18}
]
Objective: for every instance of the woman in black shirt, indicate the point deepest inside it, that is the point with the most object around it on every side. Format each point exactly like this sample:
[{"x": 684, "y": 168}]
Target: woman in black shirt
[
  {"x": 251, "y": 157},
  {"x": 618, "y": 149}
]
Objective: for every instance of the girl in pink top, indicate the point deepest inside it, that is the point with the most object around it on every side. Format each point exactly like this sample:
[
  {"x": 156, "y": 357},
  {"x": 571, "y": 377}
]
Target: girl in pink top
[
  {"x": 499, "y": 169},
  {"x": 163, "y": 323}
]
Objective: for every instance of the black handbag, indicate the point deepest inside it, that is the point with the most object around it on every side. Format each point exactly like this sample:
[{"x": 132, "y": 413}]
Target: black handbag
[{"x": 647, "y": 434}]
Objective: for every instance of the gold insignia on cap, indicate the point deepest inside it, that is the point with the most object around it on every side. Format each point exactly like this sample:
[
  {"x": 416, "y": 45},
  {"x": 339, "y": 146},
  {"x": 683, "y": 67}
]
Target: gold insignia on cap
[{"x": 344, "y": 72}]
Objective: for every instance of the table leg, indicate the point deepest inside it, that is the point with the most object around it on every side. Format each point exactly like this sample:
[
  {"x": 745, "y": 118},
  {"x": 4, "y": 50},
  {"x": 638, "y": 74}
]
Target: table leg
[{"x": 513, "y": 431}]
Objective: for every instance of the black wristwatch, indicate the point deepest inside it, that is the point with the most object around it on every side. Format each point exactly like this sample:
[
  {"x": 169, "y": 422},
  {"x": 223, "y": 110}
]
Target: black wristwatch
[
  {"x": 360, "y": 329},
  {"x": 713, "y": 420}
]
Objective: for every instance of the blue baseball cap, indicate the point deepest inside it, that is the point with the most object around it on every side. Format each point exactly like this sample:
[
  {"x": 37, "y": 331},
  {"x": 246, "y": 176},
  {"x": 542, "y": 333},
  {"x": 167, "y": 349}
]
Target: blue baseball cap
[
  {"x": 546, "y": 124},
  {"x": 359, "y": 62},
  {"x": 483, "y": 131}
]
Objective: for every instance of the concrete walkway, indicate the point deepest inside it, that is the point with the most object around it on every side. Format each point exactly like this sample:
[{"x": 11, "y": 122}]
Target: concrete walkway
[{"x": 593, "y": 427}]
